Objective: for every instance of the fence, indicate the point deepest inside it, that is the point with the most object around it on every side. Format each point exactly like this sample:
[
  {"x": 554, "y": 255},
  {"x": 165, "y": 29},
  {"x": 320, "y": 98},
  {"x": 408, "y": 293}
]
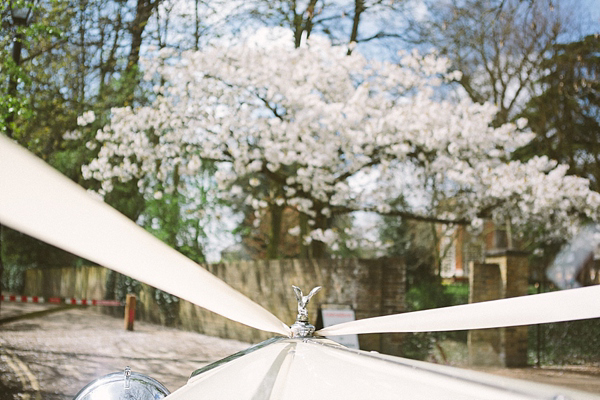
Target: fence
[{"x": 573, "y": 342}]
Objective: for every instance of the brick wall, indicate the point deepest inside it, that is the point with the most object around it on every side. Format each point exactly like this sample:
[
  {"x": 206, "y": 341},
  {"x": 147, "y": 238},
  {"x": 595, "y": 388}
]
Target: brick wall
[
  {"x": 505, "y": 274},
  {"x": 485, "y": 345},
  {"x": 514, "y": 269},
  {"x": 371, "y": 287}
]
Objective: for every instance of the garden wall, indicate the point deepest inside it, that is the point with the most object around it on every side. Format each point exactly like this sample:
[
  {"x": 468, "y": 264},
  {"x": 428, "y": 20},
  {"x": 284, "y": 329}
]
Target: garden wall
[
  {"x": 504, "y": 275},
  {"x": 371, "y": 287}
]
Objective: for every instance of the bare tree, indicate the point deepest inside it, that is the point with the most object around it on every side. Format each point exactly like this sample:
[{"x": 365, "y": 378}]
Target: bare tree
[
  {"x": 342, "y": 21},
  {"x": 498, "y": 45}
]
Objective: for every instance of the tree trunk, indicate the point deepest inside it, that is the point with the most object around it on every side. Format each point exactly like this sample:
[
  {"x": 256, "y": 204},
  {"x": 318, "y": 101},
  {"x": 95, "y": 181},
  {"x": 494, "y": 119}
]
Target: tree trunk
[
  {"x": 197, "y": 26},
  {"x": 304, "y": 249},
  {"x": 302, "y": 25},
  {"x": 298, "y": 29},
  {"x": 82, "y": 58},
  {"x": 436, "y": 250},
  {"x": 13, "y": 82},
  {"x": 12, "y": 92},
  {"x": 144, "y": 9},
  {"x": 359, "y": 7},
  {"x": 318, "y": 248},
  {"x": 107, "y": 67},
  {"x": 276, "y": 212},
  {"x": 173, "y": 210},
  {"x": 310, "y": 13}
]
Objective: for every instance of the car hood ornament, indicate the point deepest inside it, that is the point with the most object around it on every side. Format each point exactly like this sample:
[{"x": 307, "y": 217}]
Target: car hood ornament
[{"x": 302, "y": 328}]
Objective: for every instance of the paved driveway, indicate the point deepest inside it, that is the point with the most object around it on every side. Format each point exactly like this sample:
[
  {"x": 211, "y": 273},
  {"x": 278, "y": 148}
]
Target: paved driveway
[{"x": 53, "y": 356}]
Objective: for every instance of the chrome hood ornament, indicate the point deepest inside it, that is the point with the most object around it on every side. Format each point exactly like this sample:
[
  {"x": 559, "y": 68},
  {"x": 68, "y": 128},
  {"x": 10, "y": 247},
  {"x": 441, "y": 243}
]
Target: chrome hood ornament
[{"x": 301, "y": 328}]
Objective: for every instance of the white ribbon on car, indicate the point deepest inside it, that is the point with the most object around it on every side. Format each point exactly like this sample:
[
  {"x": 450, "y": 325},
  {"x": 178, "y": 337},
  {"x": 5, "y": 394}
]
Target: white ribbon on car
[
  {"x": 565, "y": 305},
  {"x": 38, "y": 201}
]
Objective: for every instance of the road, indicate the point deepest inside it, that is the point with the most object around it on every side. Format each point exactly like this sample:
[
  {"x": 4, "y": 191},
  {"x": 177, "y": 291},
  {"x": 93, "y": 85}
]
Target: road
[{"x": 52, "y": 357}]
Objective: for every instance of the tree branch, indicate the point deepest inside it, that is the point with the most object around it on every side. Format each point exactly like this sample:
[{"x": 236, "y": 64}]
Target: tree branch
[
  {"x": 403, "y": 214},
  {"x": 380, "y": 35},
  {"x": 273, "y": 110}
]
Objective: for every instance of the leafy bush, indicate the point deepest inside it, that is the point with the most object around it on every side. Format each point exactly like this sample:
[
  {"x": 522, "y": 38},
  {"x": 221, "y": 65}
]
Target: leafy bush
[{"x": 429, "y": 295}]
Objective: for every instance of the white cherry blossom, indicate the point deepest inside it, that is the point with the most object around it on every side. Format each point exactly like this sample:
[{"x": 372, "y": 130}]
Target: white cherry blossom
[
  {"x": 309, "y": 121},
  {"x": 86, "y": 118}
]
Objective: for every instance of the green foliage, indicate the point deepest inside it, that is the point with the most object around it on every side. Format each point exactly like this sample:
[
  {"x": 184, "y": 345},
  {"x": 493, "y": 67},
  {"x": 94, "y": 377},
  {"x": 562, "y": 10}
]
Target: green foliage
[
  {"x": 433, "y": 294},
  {"x": 179, "y": 218},
  {"x": 12, "y": 106},
  {"x": 126, "y": 199},
  {"x": 566, "y": 116},
  {"x": 457, "y": 293},
  {"x": 15, "y": 75},
  {"x": 119, "y": 91},
  {"x": 414, "y": 242},
  {"x": 25, "y": 251},
  {"x": 428, "y": 295}
]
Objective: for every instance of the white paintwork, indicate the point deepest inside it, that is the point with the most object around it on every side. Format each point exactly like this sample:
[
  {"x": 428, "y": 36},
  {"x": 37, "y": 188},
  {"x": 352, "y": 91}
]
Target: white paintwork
[{"x": 296, "y": 369}]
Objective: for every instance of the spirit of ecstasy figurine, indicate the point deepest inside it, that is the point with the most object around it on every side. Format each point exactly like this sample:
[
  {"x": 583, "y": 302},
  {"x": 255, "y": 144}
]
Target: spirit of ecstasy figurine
[{"x": 301, "y": 328}]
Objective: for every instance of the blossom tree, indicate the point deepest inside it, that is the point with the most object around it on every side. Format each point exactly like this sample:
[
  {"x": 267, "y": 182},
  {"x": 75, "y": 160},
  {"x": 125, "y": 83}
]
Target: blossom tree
[{"x": 328, "y": 134}]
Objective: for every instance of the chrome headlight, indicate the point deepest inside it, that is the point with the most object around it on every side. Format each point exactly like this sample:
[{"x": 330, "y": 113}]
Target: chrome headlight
[{"x": 123, "y": 385}]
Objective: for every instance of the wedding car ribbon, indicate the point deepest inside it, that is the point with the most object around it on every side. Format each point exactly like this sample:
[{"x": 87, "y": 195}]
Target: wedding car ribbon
[
  {"x": 565, "y": 305},
  {"x": 38, "y": 201}
]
